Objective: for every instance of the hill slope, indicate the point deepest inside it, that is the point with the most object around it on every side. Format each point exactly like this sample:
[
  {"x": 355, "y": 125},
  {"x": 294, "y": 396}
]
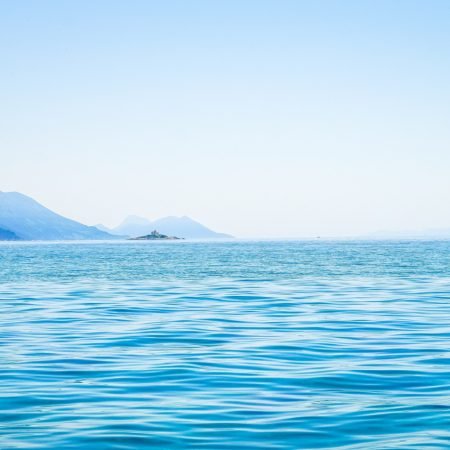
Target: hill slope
[
  {"x": 29, "y": 220},
  {"x": 6, "y": 235}
]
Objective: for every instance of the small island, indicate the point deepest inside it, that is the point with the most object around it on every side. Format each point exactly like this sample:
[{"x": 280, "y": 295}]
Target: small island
[{"x": 154, "y": 236}]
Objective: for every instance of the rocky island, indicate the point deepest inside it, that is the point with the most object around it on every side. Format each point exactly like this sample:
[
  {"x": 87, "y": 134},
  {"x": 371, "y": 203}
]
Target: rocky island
[{"x": 154, "y": 236}]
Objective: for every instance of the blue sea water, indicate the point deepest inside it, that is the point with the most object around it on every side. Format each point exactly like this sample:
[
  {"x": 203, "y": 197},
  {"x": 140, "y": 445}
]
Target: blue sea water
[{"x": 225, "y": 345}]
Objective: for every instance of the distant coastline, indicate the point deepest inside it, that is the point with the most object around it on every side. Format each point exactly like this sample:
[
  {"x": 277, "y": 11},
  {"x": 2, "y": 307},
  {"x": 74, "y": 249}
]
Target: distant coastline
[{"x": 24, "y": 219}]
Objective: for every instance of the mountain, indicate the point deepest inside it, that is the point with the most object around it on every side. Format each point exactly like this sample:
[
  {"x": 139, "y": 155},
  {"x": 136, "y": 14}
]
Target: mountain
[
  {"x": 183, "y": 227},
  {"x": 29, "y": 220},
  {"x": 102, "y": 227},
  {"x": 133, "y": 226}
]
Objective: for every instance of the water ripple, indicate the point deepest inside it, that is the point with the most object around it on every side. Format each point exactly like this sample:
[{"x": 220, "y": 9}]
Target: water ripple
[{"x": 127, "y": 346}]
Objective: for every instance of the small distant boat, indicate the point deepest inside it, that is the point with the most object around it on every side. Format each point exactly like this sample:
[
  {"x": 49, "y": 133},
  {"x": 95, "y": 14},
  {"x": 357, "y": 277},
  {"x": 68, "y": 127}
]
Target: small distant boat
[{"x": 155, "y": 236}]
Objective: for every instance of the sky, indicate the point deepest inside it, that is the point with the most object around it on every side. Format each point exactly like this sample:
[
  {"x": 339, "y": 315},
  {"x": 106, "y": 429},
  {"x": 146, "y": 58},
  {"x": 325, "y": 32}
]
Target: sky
[{"x": 281, "y": 118}]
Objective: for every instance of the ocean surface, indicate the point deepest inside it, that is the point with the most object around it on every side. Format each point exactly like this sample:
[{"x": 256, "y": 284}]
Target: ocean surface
[{"x": 225, "y": 345}]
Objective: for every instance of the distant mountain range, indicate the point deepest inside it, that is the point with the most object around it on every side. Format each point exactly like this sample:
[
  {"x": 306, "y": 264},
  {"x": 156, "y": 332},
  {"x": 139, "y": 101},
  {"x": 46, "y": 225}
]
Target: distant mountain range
[
  {"x": 184, "y": 227},
  {"x": 431, "y": 234},
  {"x": 22, "y": 218}
]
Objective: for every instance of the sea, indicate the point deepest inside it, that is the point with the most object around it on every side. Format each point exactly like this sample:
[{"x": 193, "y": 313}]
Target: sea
[{"x": 226, "y": 345}]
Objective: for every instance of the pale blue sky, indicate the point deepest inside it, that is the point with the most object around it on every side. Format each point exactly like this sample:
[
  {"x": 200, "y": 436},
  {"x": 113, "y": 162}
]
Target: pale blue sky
[{"x": 257, "y": 118}]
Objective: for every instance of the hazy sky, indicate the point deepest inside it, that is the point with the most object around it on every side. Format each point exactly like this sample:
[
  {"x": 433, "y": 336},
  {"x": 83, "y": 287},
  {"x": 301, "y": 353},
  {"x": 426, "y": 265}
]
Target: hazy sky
[{"x": 257, "y": 118}]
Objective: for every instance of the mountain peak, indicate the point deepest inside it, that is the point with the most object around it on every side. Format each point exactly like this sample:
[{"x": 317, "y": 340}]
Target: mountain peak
[
  {"x": 131, "y": 225},
  {"x": 135, "y": 220}
]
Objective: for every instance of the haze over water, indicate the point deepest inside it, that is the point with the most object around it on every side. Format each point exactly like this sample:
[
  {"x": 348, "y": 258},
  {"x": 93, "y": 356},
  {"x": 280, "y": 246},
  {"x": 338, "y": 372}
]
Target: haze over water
[{"x": 225, "y": 345}]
